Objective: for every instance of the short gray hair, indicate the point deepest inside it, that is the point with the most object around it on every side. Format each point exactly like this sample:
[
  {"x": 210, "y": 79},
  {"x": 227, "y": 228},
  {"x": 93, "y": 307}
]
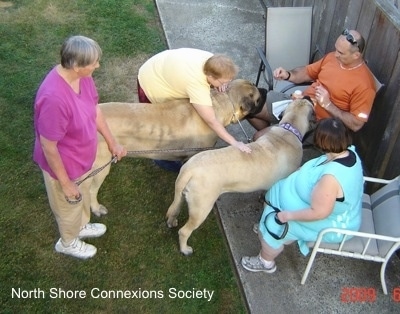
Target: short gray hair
[{"x": 79, "y": 51}]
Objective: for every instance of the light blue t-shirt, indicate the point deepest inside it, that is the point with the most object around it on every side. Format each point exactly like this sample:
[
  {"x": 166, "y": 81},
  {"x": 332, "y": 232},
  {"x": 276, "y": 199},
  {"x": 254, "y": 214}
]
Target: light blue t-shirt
[{"x": 294, "y": 193}]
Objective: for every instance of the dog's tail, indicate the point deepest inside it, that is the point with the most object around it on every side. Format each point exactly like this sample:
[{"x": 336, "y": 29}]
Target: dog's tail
[{"x": 174, "y": 209}]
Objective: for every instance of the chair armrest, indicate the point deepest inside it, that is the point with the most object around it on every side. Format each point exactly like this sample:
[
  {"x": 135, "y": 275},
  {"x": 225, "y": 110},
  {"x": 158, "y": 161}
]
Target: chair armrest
[
  {"x": 346, "y": 233},
  {"x": 294, "y": 85},
  {"x": 355, "y": 233},
  {"x": 267, "y": 73},
  {"x": 377, "y": 180}
]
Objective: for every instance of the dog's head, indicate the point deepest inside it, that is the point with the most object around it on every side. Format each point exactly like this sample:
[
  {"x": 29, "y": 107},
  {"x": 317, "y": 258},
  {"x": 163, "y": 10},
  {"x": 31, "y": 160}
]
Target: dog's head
[
  {"x": 300, "y": 113},
  {"x": 247, "y": 98}
]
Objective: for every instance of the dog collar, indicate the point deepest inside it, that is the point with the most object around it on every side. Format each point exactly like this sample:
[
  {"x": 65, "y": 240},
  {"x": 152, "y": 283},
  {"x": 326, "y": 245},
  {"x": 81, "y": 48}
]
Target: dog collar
[{"x": 291, "y": 128}]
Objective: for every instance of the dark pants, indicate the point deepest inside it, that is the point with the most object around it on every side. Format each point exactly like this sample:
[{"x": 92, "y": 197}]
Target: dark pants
[{"x": 142, "y": 96}]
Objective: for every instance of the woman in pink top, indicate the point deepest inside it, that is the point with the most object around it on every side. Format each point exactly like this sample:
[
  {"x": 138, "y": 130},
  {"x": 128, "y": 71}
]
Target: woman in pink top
[{"x": 67, "y": 119}]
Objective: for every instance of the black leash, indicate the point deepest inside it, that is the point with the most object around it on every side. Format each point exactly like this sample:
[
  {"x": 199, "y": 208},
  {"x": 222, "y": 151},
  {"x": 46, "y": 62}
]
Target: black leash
[{"x": 285, "y": 224}]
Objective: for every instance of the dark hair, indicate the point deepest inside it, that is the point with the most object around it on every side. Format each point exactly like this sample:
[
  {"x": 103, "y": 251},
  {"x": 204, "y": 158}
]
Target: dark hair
[
  {"x": 79, "y": 51},
  {"x": 332, "y": 136},
  {"x": 361, "y": 44}
]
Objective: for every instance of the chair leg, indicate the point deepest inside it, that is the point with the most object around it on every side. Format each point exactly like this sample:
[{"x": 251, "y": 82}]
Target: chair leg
[
  {"x": 309, "y": 265},
  {"x": 383, "y": 269},
  {"x": 384, "y": 264}
]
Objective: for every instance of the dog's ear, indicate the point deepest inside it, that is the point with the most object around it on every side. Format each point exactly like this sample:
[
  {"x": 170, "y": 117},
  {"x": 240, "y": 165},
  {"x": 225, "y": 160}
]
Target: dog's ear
[
  {"x": 254, "y": 106},
  {"x": 312, "y": 120},
  {"x": 263, "y": 94}
]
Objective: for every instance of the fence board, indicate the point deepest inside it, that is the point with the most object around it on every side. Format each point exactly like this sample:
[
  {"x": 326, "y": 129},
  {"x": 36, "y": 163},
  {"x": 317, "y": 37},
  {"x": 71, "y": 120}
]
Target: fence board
[
  {"x": 387, "y": 152},
  {"x": 381, "y": 60}
]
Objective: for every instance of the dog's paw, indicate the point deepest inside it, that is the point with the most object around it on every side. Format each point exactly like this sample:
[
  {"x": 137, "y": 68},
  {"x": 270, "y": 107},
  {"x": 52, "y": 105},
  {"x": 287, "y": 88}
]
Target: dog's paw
[
  {"x": 102, "y": 210},
  {"x": 187, "y": 251},
  {"x": 172, "y": 223}
]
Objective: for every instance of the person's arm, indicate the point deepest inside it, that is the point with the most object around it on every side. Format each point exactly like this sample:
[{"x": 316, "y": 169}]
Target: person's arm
[
  {"x": 54, "y": 160},
  {"x": 348, "y": 118},
  {"x": 297, "y": 75},
  {"x": 323, "y": 200},
  {"x": 207, "y": 113},
  {"x": 323, "y": 99},
  {"x": 115, "y": 148}
]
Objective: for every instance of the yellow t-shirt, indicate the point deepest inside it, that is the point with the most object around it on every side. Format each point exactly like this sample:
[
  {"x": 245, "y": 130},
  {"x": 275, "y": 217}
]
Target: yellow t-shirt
[{"x": 174, "y": 74}]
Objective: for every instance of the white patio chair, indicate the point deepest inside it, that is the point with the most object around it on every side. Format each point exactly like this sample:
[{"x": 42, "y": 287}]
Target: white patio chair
[{"x": 379, "y": 236}]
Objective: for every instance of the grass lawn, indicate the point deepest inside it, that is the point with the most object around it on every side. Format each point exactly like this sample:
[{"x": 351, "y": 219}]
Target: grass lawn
[{"x": 139, "y": 255}]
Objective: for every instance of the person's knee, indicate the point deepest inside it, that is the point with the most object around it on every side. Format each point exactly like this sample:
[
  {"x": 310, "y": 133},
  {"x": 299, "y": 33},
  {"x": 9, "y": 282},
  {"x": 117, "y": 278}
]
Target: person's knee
[
  {"x": 262, "y": 115},
  {"x": 268, "y": 253},
  {"x": 259, "y": 133}
]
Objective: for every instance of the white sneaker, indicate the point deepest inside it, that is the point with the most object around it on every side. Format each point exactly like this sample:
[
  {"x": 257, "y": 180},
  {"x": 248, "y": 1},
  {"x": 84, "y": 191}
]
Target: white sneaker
[
  {"x": 77, "y": 249},
  {"x": 92, "y": 231},
  {"x": 254, "y": 264},
  {"x": 256, "y": 226}
]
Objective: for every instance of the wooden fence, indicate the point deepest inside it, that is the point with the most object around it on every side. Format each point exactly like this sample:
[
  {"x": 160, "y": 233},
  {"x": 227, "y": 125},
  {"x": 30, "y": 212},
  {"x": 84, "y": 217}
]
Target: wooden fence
[{"x": 379, "y": 22}]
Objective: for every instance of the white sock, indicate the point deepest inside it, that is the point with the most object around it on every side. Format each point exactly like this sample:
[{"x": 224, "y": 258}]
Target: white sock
[
  {"x": 267, "y": 264},
  {"x": 69, "y": 244},
  {"x": 66, "y": 245}
]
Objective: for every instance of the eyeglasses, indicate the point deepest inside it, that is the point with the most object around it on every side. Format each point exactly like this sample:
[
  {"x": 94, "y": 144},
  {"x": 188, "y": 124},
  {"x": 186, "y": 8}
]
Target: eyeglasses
[
  {"x": 223, "y": 83},
  {"x": 350, "y": 38}
]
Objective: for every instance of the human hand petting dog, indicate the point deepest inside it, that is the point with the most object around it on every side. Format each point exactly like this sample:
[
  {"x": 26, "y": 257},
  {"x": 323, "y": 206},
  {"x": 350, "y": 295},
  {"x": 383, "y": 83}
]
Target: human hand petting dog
[
  {"x": 223, "y": 87},
  {"x": 243, "y": 147}
]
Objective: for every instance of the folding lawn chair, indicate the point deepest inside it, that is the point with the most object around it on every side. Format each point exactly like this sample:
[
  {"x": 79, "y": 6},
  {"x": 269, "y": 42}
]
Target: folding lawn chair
[
  {"x": 287, "y": 41},
  {"x": 379, "y": 236}
]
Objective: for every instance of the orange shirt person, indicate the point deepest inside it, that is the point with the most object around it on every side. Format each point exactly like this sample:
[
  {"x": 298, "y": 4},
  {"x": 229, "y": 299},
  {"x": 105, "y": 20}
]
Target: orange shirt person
[{"x": 342, "y": 87}]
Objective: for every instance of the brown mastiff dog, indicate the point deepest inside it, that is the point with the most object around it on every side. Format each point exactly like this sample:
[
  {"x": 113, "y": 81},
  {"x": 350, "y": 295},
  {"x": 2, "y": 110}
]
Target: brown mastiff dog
[
  {"x": 205, "y": 176},
  {"x": 169, "y": 130}
]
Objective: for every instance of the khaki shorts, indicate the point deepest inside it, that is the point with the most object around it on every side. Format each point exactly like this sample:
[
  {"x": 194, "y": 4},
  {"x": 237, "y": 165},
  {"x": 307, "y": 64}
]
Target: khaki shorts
[{"x": 273, "y": 96}]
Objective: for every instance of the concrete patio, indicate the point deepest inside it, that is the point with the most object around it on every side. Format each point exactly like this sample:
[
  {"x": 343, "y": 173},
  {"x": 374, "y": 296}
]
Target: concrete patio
[{"x": 236, "y": 27}]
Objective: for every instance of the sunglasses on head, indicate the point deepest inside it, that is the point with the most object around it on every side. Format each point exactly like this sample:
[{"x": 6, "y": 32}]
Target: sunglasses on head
[{"x": 350, "y": 38}]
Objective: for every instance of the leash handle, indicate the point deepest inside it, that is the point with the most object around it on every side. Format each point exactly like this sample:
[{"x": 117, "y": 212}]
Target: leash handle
[
  {"x": 277, "y": 210},
  {"x": 75, "y": 201},
  {"x": 285, "y": 224}
]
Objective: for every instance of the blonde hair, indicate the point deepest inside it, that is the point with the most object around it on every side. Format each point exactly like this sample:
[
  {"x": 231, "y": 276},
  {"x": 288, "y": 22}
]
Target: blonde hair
[{"x": 219, "y": 66}]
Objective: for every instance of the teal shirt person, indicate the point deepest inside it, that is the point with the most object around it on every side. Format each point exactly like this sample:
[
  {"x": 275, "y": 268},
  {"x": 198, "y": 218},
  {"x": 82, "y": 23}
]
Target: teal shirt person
[
  {"x": 295, "y": 192},
  {"x": 325, "y": 192}
]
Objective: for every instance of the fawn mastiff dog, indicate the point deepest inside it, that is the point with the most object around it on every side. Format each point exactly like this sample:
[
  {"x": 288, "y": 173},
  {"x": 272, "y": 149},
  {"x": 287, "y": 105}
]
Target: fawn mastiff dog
[
  {"x": 168, "y": 130},
  {"x": 275, "y": 154}
]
